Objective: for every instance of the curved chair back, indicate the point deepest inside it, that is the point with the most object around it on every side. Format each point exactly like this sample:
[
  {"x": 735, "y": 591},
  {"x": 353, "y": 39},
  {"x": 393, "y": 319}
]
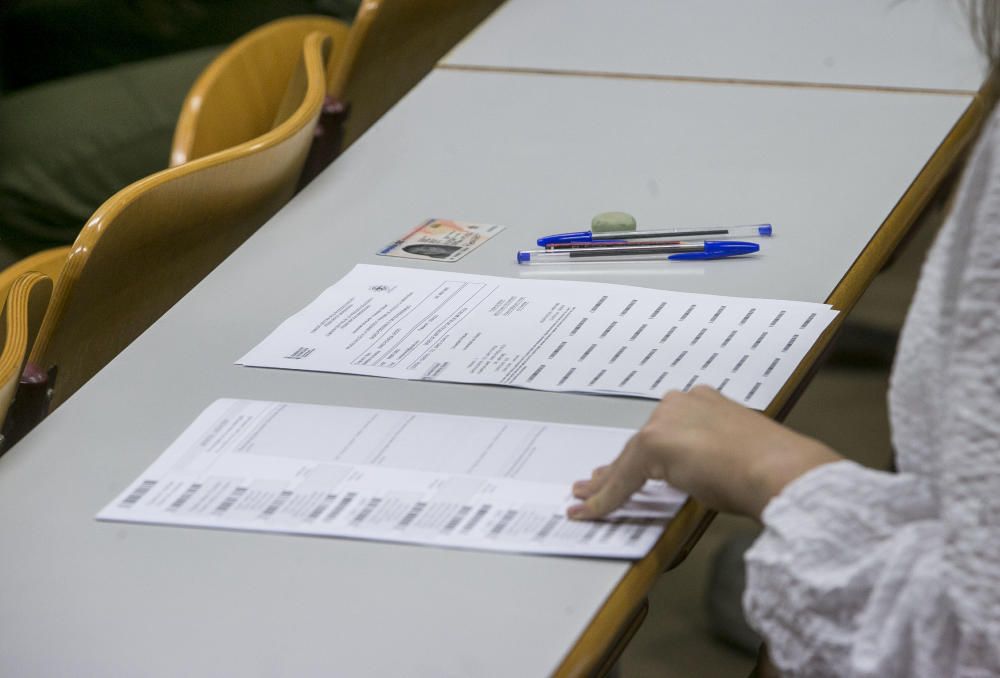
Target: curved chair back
[
  {"x": 245, "y": 91},
  {"x": 150, "y": 243},
  {"x": 20, "y": 318},
  {"x": 391, "y": 46}
]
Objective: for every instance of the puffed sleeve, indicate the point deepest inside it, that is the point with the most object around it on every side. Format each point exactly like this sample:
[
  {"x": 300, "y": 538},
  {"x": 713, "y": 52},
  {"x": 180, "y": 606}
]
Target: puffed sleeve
[
  {"x": 867, "y": 573},
  {"x": 858, "y": 573}
]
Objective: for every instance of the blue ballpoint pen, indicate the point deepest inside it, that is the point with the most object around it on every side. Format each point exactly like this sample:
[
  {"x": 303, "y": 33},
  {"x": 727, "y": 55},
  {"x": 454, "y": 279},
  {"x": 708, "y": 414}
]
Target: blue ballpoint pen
[
  {"x": 710, "y": 249},
  {"x": 590, "y": 236}
]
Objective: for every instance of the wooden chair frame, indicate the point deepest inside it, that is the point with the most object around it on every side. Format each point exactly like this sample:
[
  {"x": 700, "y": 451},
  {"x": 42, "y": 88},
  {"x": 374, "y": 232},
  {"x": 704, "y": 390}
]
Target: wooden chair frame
[
  {"x": 124, "y": 271},
  {"x": 25, "y": 303}
]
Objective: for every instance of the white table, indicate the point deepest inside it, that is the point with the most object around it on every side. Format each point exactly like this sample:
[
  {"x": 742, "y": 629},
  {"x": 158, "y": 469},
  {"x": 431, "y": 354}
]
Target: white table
[
  {"x": 921, "y": 44},
  {"x": 538, "y": 154}
]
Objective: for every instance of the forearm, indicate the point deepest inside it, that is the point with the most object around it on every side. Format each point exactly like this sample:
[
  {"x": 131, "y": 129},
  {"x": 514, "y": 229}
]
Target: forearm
[{"x": 858, "y": 574}]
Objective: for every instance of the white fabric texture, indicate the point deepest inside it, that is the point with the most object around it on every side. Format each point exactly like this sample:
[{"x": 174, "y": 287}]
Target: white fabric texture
[{"x": 867, "y": 573}]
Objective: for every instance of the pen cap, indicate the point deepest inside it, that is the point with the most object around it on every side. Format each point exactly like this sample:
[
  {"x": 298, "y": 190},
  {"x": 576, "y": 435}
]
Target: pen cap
[
  {"x": 730, "y": 247},
  {"x": 718, "y": 249}
]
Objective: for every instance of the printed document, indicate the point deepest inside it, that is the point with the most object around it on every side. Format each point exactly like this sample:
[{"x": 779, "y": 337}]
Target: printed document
[
  {"x": 553, "y": 335},
  {"x": 443, "y": 480}
]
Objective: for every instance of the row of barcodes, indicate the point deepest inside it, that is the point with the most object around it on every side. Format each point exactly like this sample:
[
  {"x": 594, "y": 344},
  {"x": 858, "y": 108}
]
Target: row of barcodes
[
  {"x": 538, "y": 370},
  {"x": 332, "y": 508}
]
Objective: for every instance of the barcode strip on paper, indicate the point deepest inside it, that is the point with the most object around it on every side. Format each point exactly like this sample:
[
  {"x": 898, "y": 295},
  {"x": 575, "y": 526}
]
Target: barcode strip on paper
[
  {"x": 592, "y": 532},
  {"x": 138, "y": 493},
  {"x": 549, "y": 526},
  {"x": 183, "y": 499},
  {"x": 230, "y": 501},
  {"x": 276, "y": 504},
  {"x": 504, "y": 521},
  {"x": 457, "y": 518},
  {"x": 367, "y": 510},
  {"x": 412, "y": 514},
  {"x": 639, "y": 530},
  {"x": 339, "y": 508},
  {"x": 479, "y": 515},
  {"x": 321, "y": 508}
]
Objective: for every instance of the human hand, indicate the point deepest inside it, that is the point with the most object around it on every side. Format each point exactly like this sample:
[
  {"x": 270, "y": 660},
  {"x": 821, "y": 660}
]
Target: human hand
[{"x": 726, "y": 456}]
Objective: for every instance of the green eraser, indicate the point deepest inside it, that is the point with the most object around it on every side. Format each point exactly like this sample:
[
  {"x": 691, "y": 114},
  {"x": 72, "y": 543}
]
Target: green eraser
[{"x": 612, "y": 221}]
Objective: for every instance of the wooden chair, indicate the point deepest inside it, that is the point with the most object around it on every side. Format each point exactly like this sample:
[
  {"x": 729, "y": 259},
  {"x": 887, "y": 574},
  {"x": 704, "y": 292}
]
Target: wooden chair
[
  {"x": 391, "y": 46},
  {"x": 26, "y": 299},
  {"x": 48, "y": 262},
  {"x": 245, "y": 91},
  {"x": 150, "y": 243}
]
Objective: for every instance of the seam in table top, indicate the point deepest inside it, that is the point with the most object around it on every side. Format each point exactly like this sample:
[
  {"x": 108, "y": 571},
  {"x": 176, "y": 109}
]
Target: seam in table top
[{"x": 749, "y": 82}]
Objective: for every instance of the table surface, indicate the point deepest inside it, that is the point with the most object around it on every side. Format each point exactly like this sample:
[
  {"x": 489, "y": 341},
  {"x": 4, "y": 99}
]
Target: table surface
[
  {"x": 870, "y": 43},
  {"x": 536, "y": 153}
]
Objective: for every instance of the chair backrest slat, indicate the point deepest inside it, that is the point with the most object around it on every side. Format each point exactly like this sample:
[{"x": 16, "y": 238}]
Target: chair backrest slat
[{"x": 21, "y": 311}]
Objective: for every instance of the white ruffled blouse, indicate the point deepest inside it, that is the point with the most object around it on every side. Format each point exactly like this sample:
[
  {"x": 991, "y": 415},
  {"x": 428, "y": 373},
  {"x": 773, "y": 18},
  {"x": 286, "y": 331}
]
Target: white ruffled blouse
[{"x": 868, "y": 573}]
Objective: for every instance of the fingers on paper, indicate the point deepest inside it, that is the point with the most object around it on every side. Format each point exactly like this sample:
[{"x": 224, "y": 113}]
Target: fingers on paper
[
  {"x": 585, "y": 488},
  {"x": 609, "y": 486}
]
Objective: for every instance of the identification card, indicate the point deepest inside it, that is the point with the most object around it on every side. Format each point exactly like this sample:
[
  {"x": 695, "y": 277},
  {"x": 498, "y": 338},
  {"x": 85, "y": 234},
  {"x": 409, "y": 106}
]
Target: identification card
[{"x": 441, "y": 240}]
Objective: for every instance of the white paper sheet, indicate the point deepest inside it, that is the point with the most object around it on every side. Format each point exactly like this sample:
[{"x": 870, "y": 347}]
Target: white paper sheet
[
  {"x": 444, "y": 480},
  {"x": 552, "y": 335}
]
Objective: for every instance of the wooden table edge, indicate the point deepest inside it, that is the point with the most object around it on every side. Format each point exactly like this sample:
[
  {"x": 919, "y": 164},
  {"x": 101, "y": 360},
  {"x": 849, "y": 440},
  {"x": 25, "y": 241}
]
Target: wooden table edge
[
  {"x": 604, "y": 638},
  {"x": 701, "y": 79}
]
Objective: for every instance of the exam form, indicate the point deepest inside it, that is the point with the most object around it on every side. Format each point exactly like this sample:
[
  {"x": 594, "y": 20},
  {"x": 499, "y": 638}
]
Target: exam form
[
  {"x": 443, "y": 480},
  {"x": 553, "y": 335}
]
